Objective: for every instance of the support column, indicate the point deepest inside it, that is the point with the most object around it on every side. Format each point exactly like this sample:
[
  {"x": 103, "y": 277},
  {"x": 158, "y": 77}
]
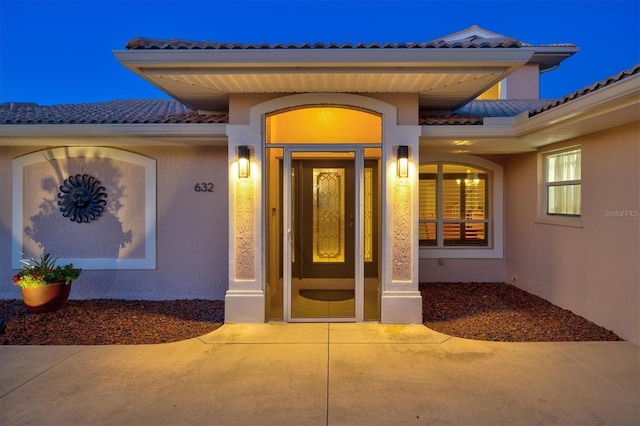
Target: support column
[
  {"x": 401, "y": 299},
  {"x": 245, "y": 298}
]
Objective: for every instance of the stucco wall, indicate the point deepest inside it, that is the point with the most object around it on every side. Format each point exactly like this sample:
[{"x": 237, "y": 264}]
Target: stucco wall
[
  {"x": 462, "y": 270},
  {"x": 594, "y": 270},
  {"x": 524, "y": 83},
  {"x": 191, "y": 236},
  {"x": 407, "y": 105}
]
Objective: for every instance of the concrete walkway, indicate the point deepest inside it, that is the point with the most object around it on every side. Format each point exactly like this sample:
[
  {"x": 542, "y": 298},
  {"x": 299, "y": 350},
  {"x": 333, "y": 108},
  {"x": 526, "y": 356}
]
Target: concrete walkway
[{"x": 322, "y": 374}]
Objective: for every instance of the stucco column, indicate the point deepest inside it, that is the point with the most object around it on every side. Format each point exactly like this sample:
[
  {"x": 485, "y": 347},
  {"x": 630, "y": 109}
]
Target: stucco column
[
  {"x": 401, "y": 300},
  {"x": 245, "y": 299}
]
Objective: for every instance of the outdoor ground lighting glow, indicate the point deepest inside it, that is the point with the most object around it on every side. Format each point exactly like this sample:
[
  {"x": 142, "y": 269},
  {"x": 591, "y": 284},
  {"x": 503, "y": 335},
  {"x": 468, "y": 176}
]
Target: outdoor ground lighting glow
[
  {"x": 403, "y": 161},
  {"x": 243, "y": 161}
]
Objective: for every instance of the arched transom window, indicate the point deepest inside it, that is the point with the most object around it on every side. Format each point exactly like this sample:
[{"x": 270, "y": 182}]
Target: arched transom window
[{"x": 324, "y": 124}]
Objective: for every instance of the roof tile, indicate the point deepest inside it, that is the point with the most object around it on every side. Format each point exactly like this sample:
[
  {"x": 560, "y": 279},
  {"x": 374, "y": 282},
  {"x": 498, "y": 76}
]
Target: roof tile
[
  {"x": 139, "y": 111},
  {"x": 473, "y": 112},
  {"x": 589, "y": 89},
  {"x": 143, "y": 43}
]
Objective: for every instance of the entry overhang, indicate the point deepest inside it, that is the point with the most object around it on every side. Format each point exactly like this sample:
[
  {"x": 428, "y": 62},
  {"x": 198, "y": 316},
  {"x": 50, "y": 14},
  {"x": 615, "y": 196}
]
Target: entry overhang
[{"x": 443, "y": 78}]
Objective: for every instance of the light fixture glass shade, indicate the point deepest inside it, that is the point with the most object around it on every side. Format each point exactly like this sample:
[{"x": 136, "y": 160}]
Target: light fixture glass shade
[
  {"x": 243, "y": 161},
  {"x": 403, "y": 161}
]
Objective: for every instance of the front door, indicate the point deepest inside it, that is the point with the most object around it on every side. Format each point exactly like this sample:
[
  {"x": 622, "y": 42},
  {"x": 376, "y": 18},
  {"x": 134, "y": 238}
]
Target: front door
[{"x": 323, "y": 214}]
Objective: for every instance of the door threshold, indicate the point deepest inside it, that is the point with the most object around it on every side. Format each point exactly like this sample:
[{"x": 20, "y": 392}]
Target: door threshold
[{"x": 312, "y": 320}]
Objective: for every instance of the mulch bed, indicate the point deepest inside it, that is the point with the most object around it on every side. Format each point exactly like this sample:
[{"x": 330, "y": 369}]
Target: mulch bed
[
  {"x": 504, "y": 313},
  {"x": 495, "y": 312},
  {"x": 110, "y": 322}
]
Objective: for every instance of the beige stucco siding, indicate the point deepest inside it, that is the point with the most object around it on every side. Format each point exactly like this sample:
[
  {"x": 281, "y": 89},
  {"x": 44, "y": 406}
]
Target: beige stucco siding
[
  {"x": 406, "y": 104},
  {"x": 591, "y": 270},
  {"x": 191, "y": 226},
  {"x": 524, "y": 83},
  {"x": 462, "y": 270}
]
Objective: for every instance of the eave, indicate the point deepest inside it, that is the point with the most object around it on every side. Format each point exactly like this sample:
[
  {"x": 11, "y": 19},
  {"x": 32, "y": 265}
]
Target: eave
[
  {"x": 443, "y": 78},
  {"x": 613, "y": 106}
]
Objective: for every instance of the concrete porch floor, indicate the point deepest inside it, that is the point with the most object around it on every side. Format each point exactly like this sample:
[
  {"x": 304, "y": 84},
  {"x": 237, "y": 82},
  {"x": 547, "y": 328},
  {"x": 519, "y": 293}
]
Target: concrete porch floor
[{"x": 322, "y": 374}]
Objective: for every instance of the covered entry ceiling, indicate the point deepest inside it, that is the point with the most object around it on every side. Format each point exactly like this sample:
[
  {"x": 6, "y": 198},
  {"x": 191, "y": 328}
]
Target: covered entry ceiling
[{"x": 444, "y": 78}]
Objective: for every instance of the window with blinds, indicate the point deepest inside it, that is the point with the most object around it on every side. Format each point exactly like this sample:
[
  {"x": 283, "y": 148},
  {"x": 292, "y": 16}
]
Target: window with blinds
[
  {"x": 453, "y": 205},
  {"x": 563, "y": 183}
]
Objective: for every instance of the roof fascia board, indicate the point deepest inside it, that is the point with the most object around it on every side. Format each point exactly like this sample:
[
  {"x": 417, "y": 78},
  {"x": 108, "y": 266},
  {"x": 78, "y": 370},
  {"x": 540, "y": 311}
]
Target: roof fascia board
[
  {"x": 506, "y": 121},
  {"x": 472, "y": 140},
  {"x": 555, "y": 50},
  {"x": 467, "y": 131},
  {"x": 174, "y": 130},
  {"x": 331, "y": 57},
  {"x": 119, "y": 141}
]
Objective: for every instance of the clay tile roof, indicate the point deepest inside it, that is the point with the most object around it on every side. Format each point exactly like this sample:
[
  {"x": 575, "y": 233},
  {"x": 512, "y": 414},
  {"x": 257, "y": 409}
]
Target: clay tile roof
[
  {"x": 473, "y": 112},
  {"x": 589, "y": 89},
  {"x": 142, "y": 43},
  {"x": 450, "y": 120},
  {"x": 113, "y": 112}
]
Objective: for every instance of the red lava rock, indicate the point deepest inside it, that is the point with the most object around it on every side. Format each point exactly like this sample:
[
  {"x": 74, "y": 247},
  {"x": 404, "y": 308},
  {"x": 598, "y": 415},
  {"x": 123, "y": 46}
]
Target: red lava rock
[
  {"x": 481, "y": 311},
  {"x": 109, "y": 322},
  {"x": 502, "y": 312}
]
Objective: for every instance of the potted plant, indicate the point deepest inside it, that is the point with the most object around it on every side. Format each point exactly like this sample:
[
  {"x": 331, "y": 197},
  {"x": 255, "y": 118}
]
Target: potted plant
[{"x": 45, "y": 286}]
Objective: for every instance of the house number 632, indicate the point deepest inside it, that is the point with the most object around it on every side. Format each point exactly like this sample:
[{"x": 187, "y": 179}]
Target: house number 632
[{"x": 203, "y": 187}]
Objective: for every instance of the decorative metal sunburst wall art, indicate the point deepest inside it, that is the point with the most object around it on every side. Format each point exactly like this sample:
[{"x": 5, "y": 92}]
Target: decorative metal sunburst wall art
[{"x": 82, "y": 198}]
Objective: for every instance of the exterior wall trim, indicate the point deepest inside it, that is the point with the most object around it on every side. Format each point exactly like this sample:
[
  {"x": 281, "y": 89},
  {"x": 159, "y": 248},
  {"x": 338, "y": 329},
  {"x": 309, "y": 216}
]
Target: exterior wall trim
[
  {"x": 149, "y": 164},
  {"x": 112, "y": 134},
  {"x": 496, "y": 198}
]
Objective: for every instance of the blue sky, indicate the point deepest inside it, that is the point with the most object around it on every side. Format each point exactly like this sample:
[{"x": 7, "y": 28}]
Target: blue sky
[{"x": 58, "y": 52}]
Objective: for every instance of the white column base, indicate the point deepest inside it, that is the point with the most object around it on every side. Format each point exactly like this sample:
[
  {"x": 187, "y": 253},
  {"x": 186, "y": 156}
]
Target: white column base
[
  {"x": 401, "y": 307},
  {"x": 244, "y": 306}
]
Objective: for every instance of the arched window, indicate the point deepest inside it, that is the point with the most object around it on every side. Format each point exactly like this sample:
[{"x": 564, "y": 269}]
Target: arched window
[
  {"x": 323, "y": 124},
  {"x": 460, "y": 207}
]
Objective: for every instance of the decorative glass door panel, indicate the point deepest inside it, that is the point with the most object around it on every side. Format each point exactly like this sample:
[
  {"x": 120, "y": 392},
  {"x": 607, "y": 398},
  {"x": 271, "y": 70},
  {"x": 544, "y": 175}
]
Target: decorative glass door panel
[{"x": 328, "y": 215}]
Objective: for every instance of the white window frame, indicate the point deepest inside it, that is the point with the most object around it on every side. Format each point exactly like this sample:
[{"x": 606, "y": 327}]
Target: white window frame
[
  {"x": 543, "y": 187},
  {"x": 495, "y": 247}
]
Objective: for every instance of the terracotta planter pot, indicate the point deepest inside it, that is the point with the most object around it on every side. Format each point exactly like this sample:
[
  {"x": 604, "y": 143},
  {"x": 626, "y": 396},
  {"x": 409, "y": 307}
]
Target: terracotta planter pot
[{"x": 47, "y": 298}]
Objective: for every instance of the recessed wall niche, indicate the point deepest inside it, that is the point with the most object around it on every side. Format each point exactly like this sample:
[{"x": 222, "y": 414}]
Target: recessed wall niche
[{"x": 121, "y": 236}]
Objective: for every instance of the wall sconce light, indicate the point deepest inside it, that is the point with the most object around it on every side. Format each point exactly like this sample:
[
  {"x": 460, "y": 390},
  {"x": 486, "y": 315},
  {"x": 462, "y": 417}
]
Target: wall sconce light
[
  {"x": 243, "y": 161},
  {"x": 403, "y": 161}
]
